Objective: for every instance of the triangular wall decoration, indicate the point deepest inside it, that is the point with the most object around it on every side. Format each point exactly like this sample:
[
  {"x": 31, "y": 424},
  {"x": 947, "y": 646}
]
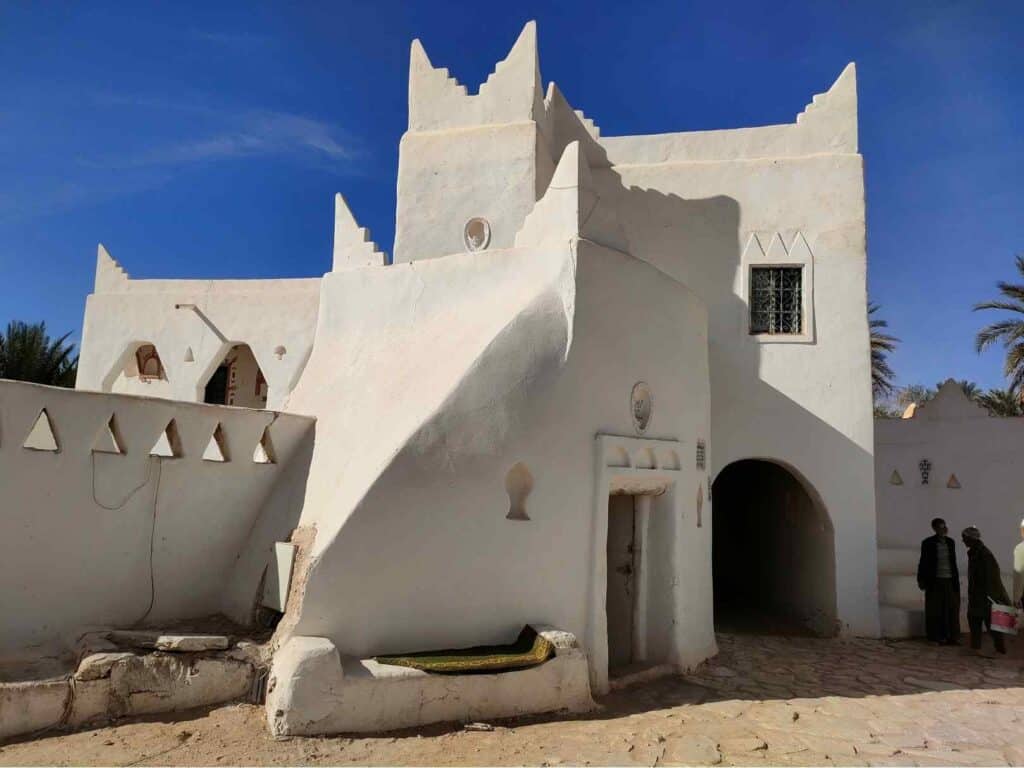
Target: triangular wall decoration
[
  {"x": 168, "y": 445},
  {"x": 41, "y": 438},
  {"x": 953, "y": 482},
  {"x": 895, "y": 479},
  {"x": 189, "y": 356},
  {"x": 264, "y": 453},
  {"x": 216, "y": 449},
  {"x": 107, "y": 439}
]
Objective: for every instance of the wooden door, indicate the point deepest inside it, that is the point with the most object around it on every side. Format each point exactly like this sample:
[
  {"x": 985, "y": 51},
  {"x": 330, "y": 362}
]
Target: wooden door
[{"x": 621, "y": 580}]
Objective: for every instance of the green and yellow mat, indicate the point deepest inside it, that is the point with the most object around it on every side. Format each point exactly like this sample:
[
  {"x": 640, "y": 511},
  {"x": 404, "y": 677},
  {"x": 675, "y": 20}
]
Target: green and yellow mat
[{"x": 529, "y": 650}]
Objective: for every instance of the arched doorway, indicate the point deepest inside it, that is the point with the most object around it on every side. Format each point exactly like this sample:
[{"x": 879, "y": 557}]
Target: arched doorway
[
  {"x": 238, "y": 380},
  {"x": 773, "y": 552}
]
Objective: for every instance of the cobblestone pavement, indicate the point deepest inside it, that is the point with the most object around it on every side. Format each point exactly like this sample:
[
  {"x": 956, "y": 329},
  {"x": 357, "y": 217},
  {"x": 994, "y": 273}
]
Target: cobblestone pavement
[{"x": 762, "y": 700}]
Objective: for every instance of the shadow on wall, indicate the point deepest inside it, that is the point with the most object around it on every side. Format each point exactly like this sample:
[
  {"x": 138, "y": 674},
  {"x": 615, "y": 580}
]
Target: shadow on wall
[
  {"x": 277, "y": 521},
  {"x": 698, "y": 242}
]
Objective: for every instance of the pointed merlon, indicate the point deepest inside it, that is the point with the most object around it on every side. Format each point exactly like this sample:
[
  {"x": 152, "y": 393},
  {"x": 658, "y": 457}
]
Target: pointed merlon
[
  {"x": 522, "y": 64},
  {"x": 836, "y": 110},
  {"x": 352, "y": 244},
  {"x": 841, "y": 94},
  {"x": 572, "y": 208},
  {"x": 570, "y": 171},
  {"x": 110, "y": 276},
  {"x": 511, "y": 93},
  {"x": 525, "y": 46},
  {"x": 418, "y": 59},
  {"x": 556, "y": 216}
]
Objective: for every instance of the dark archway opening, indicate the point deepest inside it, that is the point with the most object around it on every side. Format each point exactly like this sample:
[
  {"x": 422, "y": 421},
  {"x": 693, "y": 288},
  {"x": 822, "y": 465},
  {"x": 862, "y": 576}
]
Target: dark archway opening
[
  {"x": 238, "y": 380},
  {"x": 217, "y": 387},
  {"x": 773, "y": 554}
]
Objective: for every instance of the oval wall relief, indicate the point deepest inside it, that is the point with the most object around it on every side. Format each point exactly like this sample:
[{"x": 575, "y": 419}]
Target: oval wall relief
[{"x": 641, "y": 405}]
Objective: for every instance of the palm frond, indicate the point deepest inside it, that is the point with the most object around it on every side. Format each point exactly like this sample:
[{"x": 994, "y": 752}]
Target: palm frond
[
  {"x": 27, "y": 353},
  {"x": 881, "y": 344}
]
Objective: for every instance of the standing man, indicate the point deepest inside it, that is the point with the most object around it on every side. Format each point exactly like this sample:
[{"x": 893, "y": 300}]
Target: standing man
[
  {"x": 938, "y": 576},
  {"x": 984, "y": 584},
  {"x": 1018, "y": 570}
]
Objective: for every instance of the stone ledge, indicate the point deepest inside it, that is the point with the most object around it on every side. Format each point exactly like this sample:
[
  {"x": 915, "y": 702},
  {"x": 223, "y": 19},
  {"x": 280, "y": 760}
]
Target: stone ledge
[
  {"x": 315, "y": 690},
  {"x": 122, "y": 684}
]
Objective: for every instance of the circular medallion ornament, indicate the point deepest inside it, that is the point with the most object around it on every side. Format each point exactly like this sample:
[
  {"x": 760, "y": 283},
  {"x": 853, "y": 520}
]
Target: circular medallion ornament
[
  {"x": 477, "y": 234},
  {"x": 641, "y": 404}
]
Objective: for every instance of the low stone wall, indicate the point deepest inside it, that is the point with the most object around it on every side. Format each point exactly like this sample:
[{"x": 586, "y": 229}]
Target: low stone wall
[
  {"x": 114, "y": 681},
  {"x": 120, "y": 510}
]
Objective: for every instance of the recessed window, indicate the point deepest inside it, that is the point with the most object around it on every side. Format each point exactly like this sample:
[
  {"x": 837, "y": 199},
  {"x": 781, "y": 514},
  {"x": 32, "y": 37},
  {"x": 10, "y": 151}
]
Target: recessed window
[
  {"x": 148, "y": 362},
  {"x": 776, "y": 300}
]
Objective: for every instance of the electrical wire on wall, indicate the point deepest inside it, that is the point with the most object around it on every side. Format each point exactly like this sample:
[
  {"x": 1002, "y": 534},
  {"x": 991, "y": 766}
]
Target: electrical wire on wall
[
  {"x": 158, "y": 462},
  {"x": 131, "y": 493},
  {"x": 152, "y": 539}
]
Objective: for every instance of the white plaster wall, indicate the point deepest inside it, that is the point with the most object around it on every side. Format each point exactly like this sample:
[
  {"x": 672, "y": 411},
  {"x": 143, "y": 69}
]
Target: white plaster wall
[
  {"x": 468, "y": 155},
  {"x": 77, "y": 527},
  {"x": 446, "y": 178},
  {"x": 689, "y": 204},
  {"x": 806, "y": 404},
  {"x": 265, "y": 314},
  {"x": 464, "y": 366},
  {"x": 987, "y": 456}
]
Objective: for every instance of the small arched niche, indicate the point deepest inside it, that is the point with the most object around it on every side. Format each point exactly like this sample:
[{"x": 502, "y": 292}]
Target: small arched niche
[
  {"x": 149, "y": 364},
  {"x": 140, "y": 370},
  {"x": 518, "y": 484}
]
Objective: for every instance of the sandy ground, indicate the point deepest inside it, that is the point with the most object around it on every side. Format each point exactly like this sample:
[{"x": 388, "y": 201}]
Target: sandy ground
[{"x": 763, "y": 700}]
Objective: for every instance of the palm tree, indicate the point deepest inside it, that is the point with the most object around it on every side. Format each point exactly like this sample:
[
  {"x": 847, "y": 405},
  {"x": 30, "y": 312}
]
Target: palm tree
[
  {"x": 1009, "y": 331},
  {"x": 882, "y": 344},
  {"x": 27, "y": 353},
  {"x": 1001, "y": 402}
]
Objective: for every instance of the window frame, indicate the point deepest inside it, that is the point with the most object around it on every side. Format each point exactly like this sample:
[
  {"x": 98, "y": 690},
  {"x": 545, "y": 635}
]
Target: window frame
[
  {"x": 780, "y": 292},
  {"x": 797, "y": 256}
]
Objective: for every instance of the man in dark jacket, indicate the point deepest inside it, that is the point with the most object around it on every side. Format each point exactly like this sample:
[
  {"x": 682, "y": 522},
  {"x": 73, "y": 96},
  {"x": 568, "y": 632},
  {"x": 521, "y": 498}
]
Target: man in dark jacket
[
  {"x": 938, "y": 576},
  {"x": 984, "y": 585}
]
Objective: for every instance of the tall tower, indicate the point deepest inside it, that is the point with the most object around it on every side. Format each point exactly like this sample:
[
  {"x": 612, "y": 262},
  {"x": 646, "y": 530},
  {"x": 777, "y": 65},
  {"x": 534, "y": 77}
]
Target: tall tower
[{"x": 471, "y": 156}]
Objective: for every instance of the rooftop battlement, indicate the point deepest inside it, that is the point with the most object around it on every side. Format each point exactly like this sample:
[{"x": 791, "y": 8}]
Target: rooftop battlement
[{"x": 514, "y": 93}]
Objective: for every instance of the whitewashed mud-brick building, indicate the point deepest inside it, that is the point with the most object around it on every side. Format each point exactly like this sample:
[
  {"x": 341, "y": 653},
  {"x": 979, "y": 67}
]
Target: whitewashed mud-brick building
[{"x": 616, "y": 388}]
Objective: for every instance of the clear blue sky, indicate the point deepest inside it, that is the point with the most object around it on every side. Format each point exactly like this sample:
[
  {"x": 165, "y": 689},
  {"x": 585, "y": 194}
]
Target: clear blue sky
[{"x": 207, "y": 139}]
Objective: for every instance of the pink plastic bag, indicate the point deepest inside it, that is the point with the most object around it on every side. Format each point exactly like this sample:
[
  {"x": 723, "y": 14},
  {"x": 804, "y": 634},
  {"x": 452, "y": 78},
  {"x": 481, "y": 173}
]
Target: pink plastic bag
[{"x": 1004, "y": 619}]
